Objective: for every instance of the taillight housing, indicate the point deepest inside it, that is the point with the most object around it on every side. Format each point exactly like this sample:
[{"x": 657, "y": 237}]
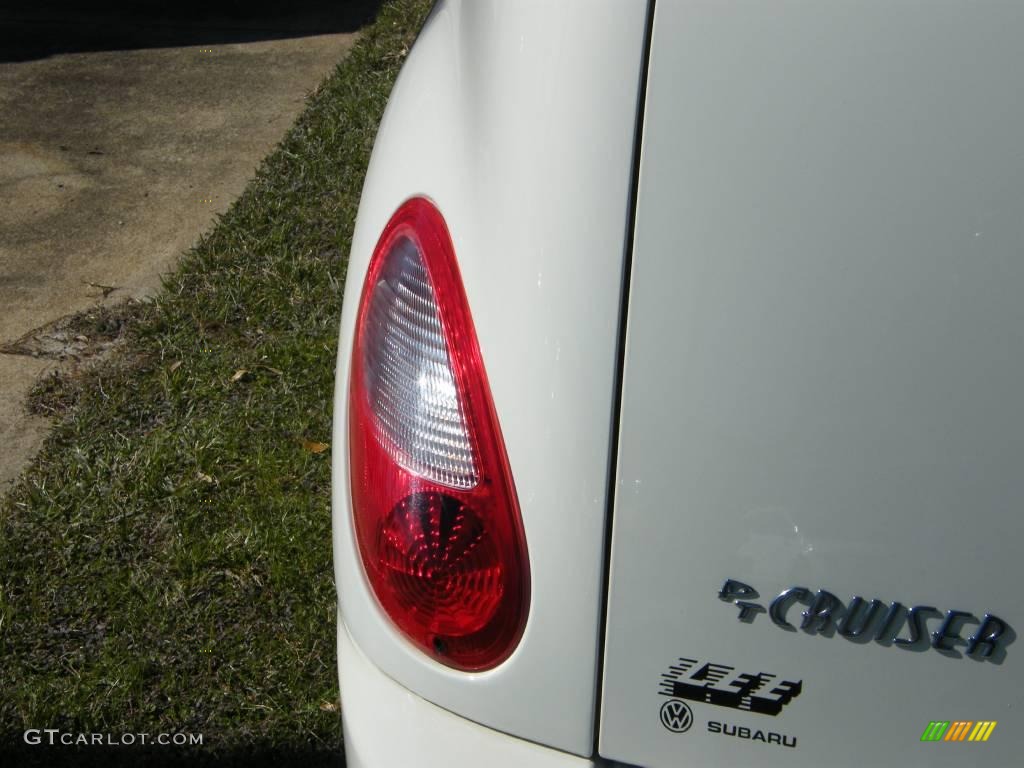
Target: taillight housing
[{"x": 434, "y": 507}]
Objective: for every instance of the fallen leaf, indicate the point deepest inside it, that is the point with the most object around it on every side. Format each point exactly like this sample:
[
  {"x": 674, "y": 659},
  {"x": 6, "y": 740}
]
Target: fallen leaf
[
  {"x": 205, "y": 477},
  {"x": 238, "y": 374},
  {"x": 329, "y": 706},
  {"x": 174, "y": 366},
  {"x": 315, "y": 447}
]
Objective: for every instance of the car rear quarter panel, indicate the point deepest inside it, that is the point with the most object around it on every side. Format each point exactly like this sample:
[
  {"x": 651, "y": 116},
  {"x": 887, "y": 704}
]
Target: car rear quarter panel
[{"x": 518, "y": 121}]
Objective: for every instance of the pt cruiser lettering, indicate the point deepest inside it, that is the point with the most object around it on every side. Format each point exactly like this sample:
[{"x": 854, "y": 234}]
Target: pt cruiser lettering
[{"x": 860, "y": 618}]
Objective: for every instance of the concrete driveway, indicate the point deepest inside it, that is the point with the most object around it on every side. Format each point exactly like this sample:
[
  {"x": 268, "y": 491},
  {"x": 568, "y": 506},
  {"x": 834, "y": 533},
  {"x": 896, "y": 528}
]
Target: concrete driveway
[{"x": 119, "y": 148}]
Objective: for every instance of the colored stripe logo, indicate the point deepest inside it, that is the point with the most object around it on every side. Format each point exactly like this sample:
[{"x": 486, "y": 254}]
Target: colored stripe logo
[
  {"x": 958, "y": 730},
  {"x": 982, "y": 730}
]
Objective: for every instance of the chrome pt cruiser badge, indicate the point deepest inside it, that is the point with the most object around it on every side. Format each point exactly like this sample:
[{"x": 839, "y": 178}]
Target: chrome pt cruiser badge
[{"x": 866, "y": 620}]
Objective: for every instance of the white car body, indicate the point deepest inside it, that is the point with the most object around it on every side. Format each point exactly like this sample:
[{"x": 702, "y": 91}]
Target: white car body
[{"x": 746, "y": 279}]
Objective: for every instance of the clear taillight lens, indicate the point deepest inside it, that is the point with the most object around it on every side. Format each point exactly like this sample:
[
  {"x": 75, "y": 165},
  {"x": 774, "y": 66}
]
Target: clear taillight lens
[
  {"x": 408, "y": 375},
  {"x": 434, "y": 506}
]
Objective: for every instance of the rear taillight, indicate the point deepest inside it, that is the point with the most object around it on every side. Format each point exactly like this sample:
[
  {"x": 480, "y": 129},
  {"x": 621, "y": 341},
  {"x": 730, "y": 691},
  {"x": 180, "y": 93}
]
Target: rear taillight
[{"x": 434, "y": 506}]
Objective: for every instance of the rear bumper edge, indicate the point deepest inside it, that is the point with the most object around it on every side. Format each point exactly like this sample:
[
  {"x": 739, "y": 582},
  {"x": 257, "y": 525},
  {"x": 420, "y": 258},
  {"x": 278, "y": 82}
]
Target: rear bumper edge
[{"x": 387, "y": 725}]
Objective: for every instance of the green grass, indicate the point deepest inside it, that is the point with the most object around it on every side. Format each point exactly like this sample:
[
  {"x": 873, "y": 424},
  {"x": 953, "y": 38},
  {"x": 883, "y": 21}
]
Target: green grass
[{"x": 165, "y": 565}]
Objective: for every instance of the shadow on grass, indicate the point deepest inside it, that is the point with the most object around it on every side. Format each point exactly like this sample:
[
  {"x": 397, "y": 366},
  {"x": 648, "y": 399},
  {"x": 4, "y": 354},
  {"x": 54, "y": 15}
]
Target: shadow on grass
[
  {"x": 176, "y": 510},
  {"x": 49, "y": 27}
]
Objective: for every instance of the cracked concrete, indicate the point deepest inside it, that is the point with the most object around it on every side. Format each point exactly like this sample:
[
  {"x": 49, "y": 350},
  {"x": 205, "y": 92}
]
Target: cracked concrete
[{"x": 112, "y": 162}]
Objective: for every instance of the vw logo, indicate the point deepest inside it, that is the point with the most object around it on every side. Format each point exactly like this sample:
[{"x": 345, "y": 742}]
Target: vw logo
[{"x": 676, "y": 716}]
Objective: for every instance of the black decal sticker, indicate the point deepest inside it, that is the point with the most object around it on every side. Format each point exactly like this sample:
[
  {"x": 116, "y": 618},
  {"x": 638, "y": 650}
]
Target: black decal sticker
[{"x": 719, "y": 684}]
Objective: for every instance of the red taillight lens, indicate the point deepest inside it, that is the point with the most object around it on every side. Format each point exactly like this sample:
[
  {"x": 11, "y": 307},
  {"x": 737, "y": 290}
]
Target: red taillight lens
[{"x": 435, "y": 510}]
